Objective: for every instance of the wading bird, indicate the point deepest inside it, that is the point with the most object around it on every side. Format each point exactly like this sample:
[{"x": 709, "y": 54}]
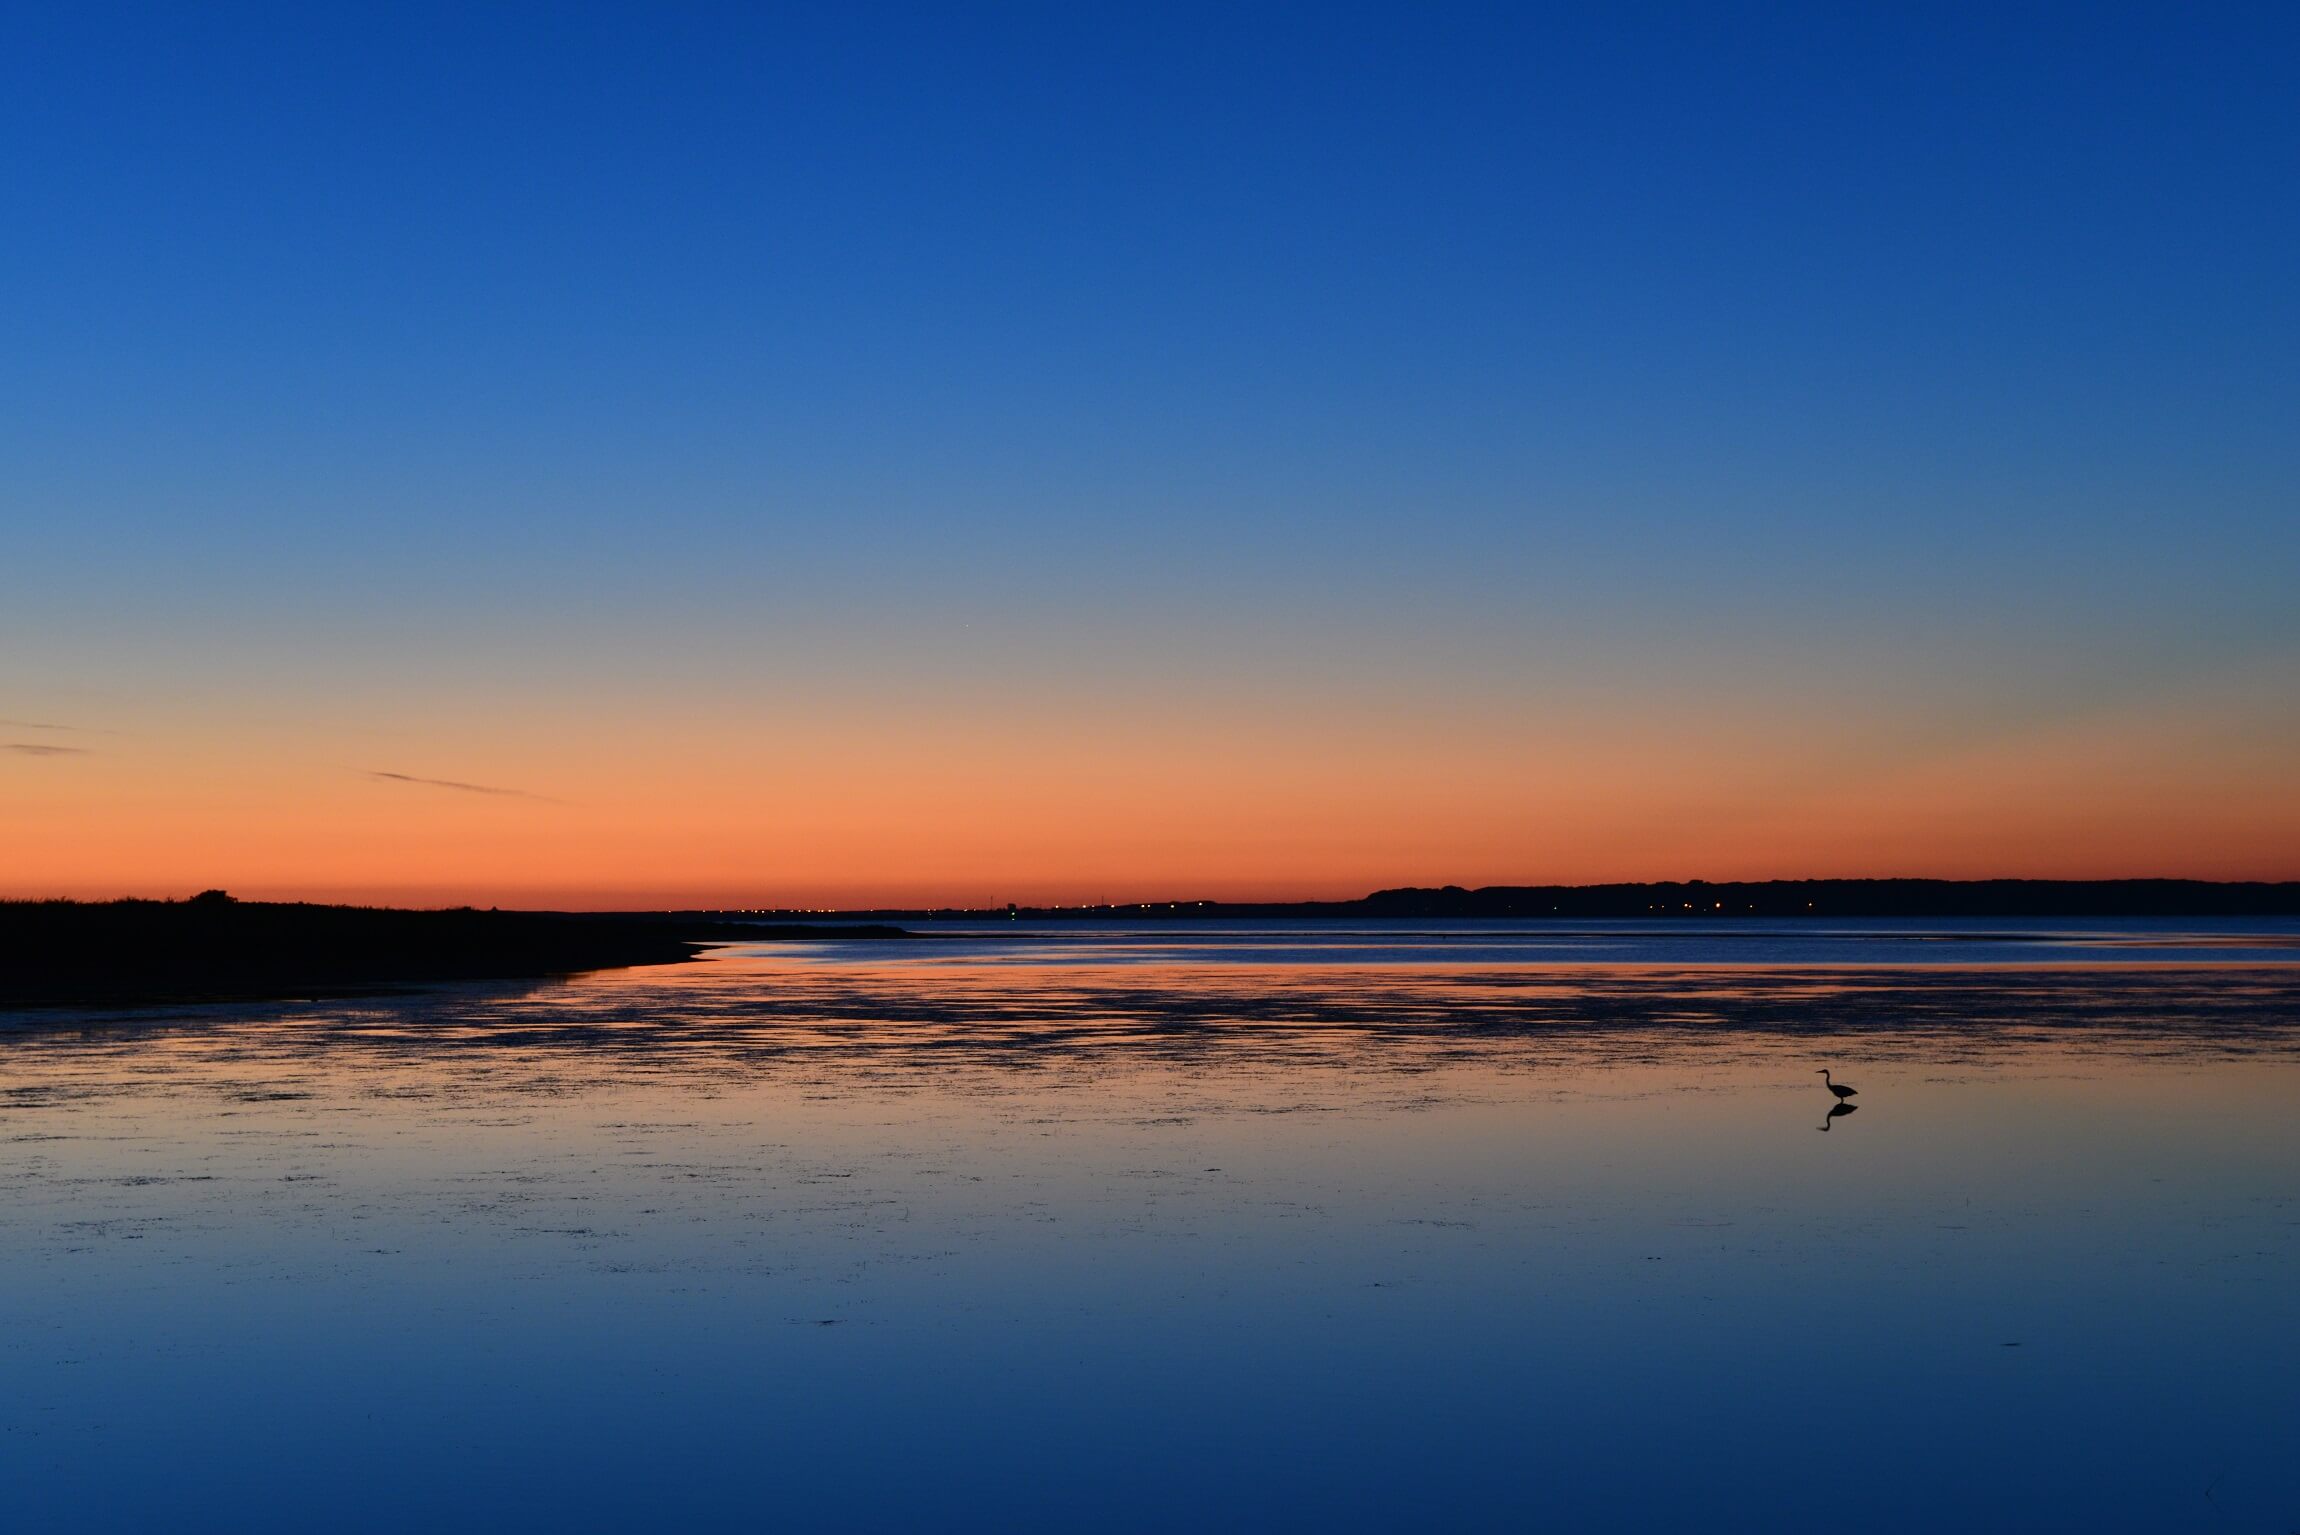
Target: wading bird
[{"x": 1842, "y": 1092}]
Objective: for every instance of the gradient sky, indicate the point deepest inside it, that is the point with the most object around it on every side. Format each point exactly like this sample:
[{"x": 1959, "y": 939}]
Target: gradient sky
[{"x": 845, "y": 454}]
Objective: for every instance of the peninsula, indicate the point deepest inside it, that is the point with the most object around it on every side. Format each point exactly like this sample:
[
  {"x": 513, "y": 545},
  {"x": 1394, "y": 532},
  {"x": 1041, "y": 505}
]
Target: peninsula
[{"x": 215, "y": 948}]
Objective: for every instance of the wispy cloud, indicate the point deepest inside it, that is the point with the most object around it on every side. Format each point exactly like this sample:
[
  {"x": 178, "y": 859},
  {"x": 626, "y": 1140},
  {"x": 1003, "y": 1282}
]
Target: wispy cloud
[
  {"x": 466, "y": 788},
  {"x": 78, "y": 730},
  {"x": 42, "y": 749}
]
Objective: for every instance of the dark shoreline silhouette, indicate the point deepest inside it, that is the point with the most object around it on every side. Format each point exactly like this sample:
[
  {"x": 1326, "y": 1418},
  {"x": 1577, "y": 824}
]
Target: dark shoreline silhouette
[
  {"x": 214, "y": 948},
  {"x": 1687, "y": 899}
]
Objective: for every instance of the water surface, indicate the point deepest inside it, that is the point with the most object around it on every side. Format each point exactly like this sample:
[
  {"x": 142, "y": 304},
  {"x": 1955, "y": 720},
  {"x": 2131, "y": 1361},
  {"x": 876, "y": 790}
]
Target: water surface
[{"x": 1462, "y": 1226}]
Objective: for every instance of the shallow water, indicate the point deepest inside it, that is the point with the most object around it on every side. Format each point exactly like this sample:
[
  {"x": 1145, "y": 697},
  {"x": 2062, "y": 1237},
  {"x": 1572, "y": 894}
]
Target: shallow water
[{"x": 1432, "y": 1227}]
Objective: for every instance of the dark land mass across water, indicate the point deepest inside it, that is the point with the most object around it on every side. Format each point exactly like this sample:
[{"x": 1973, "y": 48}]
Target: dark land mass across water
[
  {"x": 59, "y": 953},
  {"x": 212, "y": 947},
  {"x": 1823, "y": 898}
]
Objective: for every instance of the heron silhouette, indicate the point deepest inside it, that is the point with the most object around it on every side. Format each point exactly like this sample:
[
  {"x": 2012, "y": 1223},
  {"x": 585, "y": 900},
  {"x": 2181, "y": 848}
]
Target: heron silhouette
[
  {"x": 1842, "y": 1092},
  {"x": 1836, "y": 1112}
]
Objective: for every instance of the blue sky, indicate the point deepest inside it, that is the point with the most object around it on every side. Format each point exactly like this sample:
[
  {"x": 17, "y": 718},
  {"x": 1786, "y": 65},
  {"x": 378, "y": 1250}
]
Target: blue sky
[{"x": 458, "y": 358}]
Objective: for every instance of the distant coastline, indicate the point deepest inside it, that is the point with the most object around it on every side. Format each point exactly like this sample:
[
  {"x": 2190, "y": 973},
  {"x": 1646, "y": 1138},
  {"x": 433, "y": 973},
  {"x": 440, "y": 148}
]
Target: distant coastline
[
  {"x": 2036, "y": 899},
  {"x": 214, "y": 948}
]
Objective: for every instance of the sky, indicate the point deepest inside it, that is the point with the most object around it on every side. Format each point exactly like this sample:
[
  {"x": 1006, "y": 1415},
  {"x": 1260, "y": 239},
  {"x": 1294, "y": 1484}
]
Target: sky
[{"x": 849, "y": 454}]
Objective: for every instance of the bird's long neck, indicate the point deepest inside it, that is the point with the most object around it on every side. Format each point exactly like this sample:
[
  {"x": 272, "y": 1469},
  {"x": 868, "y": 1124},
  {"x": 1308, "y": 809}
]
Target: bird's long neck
[{"x": 1824, "y": 1076}]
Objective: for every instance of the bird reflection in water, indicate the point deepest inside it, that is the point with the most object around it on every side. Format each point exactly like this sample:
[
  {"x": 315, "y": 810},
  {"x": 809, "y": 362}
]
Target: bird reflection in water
[{"x": 1842, "y": 1093}]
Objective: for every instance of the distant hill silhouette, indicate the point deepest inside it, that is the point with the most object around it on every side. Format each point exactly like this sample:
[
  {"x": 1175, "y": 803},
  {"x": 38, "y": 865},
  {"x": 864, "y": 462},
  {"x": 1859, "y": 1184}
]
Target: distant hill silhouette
[
  {"x": 1852, "y": 898},
  {"x": 213, "y": 947},
  {"x": 1979, "y": 898}
]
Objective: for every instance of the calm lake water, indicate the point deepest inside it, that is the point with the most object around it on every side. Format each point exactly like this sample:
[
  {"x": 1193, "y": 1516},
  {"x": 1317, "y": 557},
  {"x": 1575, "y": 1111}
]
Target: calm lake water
[{"x": 1269, "y": 1226}]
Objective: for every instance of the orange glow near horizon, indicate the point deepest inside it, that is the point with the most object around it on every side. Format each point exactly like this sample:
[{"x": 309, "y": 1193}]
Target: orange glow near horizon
[
  {"x": 800, "y": 461},
  {"x": 945, "y": 811}
]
